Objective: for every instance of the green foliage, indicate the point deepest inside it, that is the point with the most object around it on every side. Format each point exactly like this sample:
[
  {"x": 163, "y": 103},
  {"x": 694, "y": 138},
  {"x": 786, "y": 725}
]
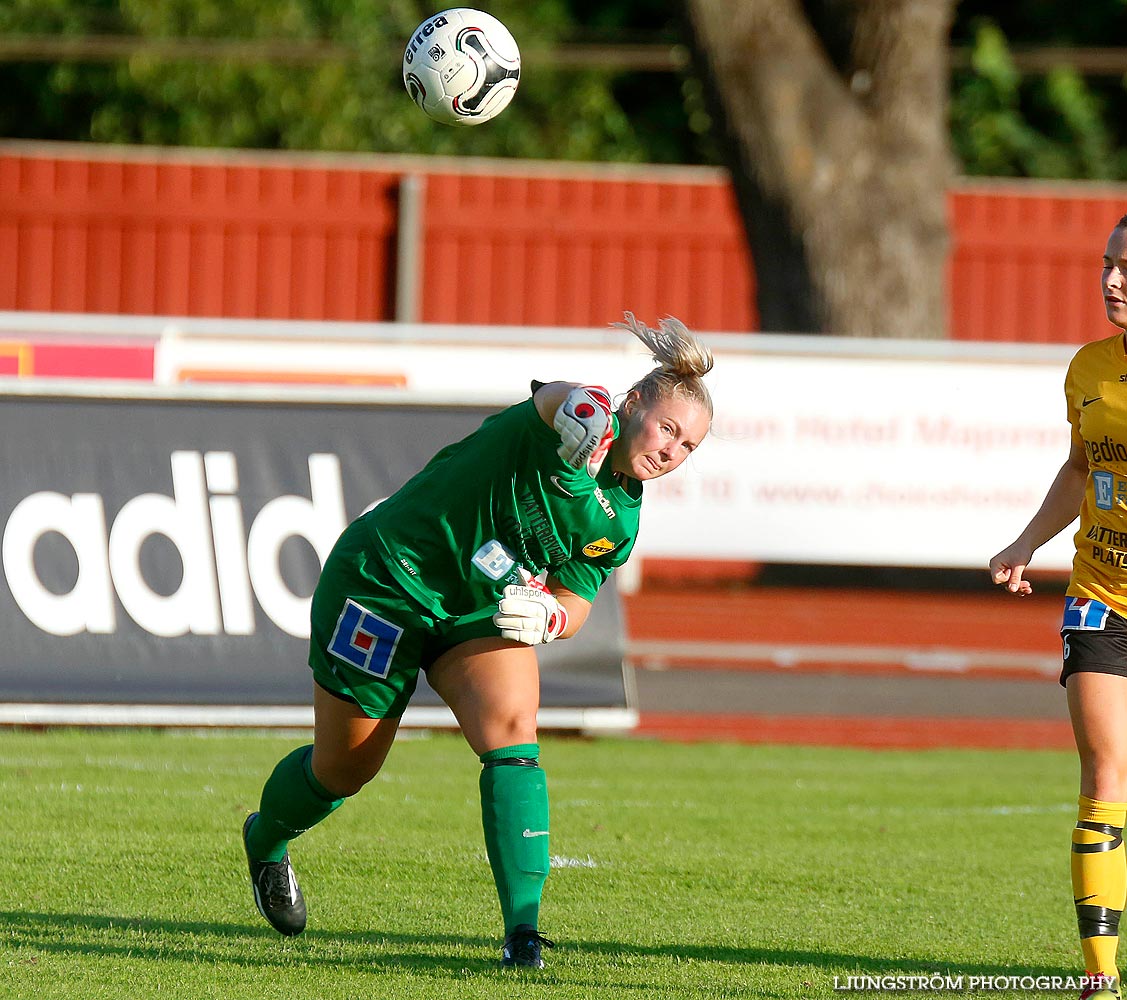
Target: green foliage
[
  {"x": 63, "y": 17},
  {"x": 1054, "y": 126},
  {"x": 690, "y": 872},
  {"x": 348, "y": 104}
]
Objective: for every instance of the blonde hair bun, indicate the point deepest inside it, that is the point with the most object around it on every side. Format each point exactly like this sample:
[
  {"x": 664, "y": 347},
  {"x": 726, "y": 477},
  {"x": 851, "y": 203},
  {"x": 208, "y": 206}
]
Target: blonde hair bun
[{"x": 682, "y": 360}]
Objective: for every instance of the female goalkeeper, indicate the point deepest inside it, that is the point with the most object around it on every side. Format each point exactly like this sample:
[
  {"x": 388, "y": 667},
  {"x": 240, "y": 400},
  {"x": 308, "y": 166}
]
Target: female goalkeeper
[{"x": 499, "y": 544}]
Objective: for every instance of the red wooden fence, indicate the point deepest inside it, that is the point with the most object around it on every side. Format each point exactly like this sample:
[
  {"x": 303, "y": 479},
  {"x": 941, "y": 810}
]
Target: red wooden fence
[
  {"x": 150, "y": 231},
  {"x": 1026, "y": 260},
  {"x": 200, "y": 238},
  {"x": 570, "y": 251}
]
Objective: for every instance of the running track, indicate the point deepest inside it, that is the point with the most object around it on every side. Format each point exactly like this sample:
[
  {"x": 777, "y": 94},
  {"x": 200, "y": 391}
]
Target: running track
[{"x": 865, "y": 668}]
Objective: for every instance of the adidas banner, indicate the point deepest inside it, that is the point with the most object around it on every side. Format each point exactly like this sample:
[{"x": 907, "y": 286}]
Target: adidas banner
[{"x": 163, "y": 550}]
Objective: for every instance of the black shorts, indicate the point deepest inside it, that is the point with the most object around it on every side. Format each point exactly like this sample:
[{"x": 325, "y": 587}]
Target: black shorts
[{"x": 1094, "y": 639}]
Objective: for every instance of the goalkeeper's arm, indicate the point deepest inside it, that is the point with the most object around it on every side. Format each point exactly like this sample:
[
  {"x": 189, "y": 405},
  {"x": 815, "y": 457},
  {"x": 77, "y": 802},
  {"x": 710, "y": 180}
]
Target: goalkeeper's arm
[{"x": 583, "y": 417}]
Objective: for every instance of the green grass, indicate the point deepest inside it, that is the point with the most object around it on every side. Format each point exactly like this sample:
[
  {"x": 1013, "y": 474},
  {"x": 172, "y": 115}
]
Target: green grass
[{"x": 691, "y": 871}]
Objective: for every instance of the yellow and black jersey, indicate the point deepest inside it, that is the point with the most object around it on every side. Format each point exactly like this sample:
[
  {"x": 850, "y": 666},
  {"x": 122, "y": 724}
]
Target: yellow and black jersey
[{"x": 1096, "y": 391}]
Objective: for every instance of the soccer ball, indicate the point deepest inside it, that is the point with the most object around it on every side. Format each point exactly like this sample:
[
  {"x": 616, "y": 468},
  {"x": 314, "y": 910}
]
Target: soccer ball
[{"x": 461, "y": 66}]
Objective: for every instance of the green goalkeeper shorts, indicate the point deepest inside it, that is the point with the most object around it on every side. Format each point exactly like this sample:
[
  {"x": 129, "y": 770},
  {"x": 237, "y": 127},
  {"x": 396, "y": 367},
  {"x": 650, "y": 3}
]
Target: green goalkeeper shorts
[{"x": 369, "y": 638}]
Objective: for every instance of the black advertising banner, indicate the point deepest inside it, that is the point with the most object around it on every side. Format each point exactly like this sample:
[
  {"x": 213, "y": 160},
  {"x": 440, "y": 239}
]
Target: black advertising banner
[{"x": 163, "y": 550}]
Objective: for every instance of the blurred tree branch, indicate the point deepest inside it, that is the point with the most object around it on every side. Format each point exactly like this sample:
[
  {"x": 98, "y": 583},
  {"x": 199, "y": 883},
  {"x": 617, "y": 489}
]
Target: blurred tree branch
[{"x": 653, "y": 57}]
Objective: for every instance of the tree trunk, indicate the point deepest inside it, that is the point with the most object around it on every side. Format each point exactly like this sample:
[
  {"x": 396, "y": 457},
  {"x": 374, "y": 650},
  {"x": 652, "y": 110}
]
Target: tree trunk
[{"x": 841, "y": 171}]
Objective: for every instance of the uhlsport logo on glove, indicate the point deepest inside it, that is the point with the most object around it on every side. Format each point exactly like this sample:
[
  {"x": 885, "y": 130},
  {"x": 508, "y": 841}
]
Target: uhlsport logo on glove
[{"x": 529, "y": 614}]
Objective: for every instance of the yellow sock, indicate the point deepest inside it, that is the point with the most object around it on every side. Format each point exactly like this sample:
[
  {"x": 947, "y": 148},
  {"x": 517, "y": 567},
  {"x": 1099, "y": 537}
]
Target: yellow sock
[{"x": 1099, "y": 881}]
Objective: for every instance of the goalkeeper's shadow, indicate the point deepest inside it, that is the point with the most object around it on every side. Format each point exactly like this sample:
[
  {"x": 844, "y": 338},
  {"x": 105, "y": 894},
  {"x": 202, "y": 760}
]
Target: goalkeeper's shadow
[{"x": 247, "y": 945}]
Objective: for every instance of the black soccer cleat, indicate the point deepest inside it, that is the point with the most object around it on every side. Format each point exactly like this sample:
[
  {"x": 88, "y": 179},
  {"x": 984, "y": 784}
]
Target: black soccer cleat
[
  {"x": 276, "y": 892},
  {"x": 521, "y": 949}
]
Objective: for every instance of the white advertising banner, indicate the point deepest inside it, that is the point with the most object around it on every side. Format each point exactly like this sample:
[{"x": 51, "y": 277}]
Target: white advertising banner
[
  {"x": 824, "y": 450},
  {"x": 867, "y": 461}
]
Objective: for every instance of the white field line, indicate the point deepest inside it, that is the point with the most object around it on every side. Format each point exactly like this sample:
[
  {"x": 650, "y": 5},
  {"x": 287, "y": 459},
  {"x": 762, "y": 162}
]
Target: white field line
[
  {"x": 918, "y": 810},
  {"x": 650, "y": 655},
  {"x": 596, "y": 718}
]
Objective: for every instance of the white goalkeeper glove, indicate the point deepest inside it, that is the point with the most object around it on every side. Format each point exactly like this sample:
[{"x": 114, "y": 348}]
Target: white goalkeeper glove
[
  {"x": 586, "y": 427},
  {"x": 530, "y": 615}
]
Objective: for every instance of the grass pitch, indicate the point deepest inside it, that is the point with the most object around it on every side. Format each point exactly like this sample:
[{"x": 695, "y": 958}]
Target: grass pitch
[{"x": 685, "y": 872}]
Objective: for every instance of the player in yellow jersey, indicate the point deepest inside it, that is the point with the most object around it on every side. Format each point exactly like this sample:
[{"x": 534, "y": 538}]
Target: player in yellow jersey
[
  {"x": 1093, "y": 483},
  {"x": 498, "y": 545}
]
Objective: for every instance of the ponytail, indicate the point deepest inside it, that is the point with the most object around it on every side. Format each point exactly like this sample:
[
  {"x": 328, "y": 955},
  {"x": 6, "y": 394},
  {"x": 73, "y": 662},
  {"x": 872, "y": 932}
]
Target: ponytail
[{"x": 681, "y": 361}]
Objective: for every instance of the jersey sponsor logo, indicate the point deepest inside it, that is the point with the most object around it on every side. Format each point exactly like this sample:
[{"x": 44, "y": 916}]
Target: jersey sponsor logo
[
  {"x": 604, "y": 503},
  {"x": 560, "y": 486},
  {"x": 1103, "y": 486},
  {"x": 1082, "y": 614},
  {"x": 604, "y": 546},
  {"x": 1107, "y": 450},
  {"x": 493, "y": 559},
  {"x": 539, "y": 525},
  {"x": 364, "y": 640},
  {"x": 1108, "y": 536},
  {"x": 1088, "y": 402}
]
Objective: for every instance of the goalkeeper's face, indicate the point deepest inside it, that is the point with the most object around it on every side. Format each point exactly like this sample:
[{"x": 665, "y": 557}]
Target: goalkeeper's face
[{"x": 655, "y": 439}]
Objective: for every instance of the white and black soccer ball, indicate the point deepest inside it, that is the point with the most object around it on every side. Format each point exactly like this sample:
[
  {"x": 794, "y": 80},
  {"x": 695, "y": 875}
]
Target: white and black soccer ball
[{"x": 461, "y": 66}]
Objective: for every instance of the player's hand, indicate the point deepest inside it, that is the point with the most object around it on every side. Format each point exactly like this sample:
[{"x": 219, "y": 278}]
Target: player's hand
[
  {"x": 1008, "y": 568},
  {"x": 529, "y": 615},
  {"x": 586, "y": 427}
]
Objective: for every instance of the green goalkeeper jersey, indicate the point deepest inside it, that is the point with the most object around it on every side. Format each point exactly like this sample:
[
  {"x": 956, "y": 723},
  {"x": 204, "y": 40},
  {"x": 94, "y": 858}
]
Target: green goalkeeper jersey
[{"x": 501, "y": 501}]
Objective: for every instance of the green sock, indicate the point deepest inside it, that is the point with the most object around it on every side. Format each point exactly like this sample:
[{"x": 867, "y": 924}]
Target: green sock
[
  {"x": 292, "y": 802},
  {"x": 514, "y": 815}
]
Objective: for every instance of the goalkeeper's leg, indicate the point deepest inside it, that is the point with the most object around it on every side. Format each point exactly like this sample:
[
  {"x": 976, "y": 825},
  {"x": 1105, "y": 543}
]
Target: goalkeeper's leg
[
  {"x": 305, "y": 787},
  {"x": 514, "y": 818},
  {"x": 493, "y": 688}
]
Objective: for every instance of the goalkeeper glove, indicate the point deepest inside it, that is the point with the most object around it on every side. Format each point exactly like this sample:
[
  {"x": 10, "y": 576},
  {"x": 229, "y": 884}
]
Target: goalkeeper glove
[
  {"x": 586, "y": 427},
  {"x": 529, "y": 615}
]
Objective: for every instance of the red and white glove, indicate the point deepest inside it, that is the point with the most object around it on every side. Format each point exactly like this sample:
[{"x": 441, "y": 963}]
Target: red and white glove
[
  {"x": 586, "y": 427},
  {"x": 530, "y": 615}
]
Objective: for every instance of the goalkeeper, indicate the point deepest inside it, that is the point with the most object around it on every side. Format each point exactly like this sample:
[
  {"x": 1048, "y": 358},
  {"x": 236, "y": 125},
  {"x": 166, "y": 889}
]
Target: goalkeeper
[{"x": 498, "y": 545}]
